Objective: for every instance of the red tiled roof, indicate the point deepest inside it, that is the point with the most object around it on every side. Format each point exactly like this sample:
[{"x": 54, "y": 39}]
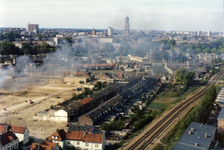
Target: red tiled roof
[
  {"x": 85, "y": 101},
  {"x": 43, "y": 146},
  {"x": 75, "y": 135},
  {"x": 2, "y": 128},
  {"x": 17, "y": 129},
  {"x": 93, "y": 137},
  {"x": 80, "y": 73},
  {"x": 7, "y": 137}
]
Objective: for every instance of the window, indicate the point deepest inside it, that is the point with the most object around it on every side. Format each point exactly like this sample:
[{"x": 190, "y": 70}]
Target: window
[
  {"x": 78, "y": 143},
  {"x": 96, "y": 145},
  {"x": 78, "y": 148},
  {"x": 68, "y": 142},
  {"x": 87, "y": 144},
  {"x": 81, "y": 82},
  {"x": 85, "y": 149}
]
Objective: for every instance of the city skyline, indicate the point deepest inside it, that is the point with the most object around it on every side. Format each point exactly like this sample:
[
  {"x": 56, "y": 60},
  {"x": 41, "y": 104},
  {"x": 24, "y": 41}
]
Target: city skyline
[{"x": 178, "y": 15}]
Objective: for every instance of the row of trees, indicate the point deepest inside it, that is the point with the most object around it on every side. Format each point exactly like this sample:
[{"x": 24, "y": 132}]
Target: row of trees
[
  {"x": 216, "y": 46},
  {"x": 10, "y": 36},
  {"x": 7, "y": 48}
]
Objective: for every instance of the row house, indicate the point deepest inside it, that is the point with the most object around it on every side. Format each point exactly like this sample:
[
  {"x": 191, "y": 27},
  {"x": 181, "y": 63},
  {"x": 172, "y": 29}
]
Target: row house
[{"x": 81, "y": 140}]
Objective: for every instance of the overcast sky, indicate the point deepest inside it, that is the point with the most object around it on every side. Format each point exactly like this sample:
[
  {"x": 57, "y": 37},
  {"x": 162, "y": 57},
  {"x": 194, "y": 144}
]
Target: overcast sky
[{"x": 178, "y": 15}]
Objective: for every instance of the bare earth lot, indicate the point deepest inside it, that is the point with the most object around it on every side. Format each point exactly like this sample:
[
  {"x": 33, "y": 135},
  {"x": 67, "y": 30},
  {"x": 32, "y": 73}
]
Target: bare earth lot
[{"x": 20, "y": 113}]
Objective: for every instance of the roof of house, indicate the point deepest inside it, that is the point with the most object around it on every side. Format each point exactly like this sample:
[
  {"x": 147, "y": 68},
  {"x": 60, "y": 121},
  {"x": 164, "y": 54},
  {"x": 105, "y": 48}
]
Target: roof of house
[
  {"x": 7, "y": 137},
  {"x": 81, "y": 73},
  {"x": 77, "y": 136},
  {"x": 93, "y": 137},
  {"x": 86, "y": 100},
  {"x": 43, "y": 146},
  {"x": 79, "y": 127},
  {"x": 17, "y": 129},
  {"x": 194, "y": 137},
  {"x": 60, "y": 134},
  {"x": 14, "y": 129},
  {"x": 2, "y": 128}
]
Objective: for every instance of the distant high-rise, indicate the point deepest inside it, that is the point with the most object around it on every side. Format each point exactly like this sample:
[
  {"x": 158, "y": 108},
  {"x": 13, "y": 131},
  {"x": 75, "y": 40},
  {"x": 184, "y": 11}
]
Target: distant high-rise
[
  {"x": 32, "y": 28},
  {"x": 199, "y": 32},
  {"x": 209, "y": 33},
  {"x": 126, "y": 26},
  {"x": 94, "y": 32},
  {"x": 110, "y": 31}
]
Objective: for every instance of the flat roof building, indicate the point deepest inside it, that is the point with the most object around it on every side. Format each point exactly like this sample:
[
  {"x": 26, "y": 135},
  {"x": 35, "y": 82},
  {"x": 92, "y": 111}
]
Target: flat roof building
[
  {"x": 221, "y": 121},
  {"x": 196, "y": 137}
]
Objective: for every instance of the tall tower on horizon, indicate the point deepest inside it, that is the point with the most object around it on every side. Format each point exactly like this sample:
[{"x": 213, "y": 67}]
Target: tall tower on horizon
[{"x": 126, "y": 26}]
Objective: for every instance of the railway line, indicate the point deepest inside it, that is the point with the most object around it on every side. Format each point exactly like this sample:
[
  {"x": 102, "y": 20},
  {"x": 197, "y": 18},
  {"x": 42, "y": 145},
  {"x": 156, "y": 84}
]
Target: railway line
[{"x": 152, "y": 133}]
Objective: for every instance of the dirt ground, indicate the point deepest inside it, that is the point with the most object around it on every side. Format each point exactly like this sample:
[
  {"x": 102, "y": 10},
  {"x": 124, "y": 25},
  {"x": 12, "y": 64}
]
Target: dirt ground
[{"x": 48, "y": 93}]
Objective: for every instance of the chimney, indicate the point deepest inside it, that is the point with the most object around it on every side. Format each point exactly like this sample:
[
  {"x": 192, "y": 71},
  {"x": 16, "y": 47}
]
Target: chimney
[
  {"x": 66, "y": 129},
  {"x": 189, "y": 132},
  {"x": 206, "y": 135},
  {"x": 192, "y": 129},
  {"x": 84, "y": 134},
  {"x": 196, "y": 144}
]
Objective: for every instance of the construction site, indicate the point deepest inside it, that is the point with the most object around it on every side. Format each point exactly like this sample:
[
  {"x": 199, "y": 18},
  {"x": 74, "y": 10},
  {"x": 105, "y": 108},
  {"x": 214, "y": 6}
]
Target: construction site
[{"x": 21, "y": 98}]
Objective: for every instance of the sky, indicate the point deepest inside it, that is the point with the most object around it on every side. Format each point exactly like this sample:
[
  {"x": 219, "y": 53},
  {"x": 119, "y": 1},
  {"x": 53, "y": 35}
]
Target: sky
[{"x": 173, "y": 15}]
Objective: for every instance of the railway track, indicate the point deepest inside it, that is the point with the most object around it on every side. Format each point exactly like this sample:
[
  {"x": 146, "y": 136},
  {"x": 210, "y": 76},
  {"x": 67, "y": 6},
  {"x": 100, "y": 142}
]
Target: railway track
[{"x": 153, "y": 132}]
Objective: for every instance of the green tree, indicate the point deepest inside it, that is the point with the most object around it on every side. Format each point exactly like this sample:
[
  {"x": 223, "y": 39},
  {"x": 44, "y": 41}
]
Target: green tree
[
  {"x": 105, "y": 126},
  {"x": 120, "y": 124},
  {"x": 26, "y": 48},
  {"x": 183, "y": 76},
  {"x": 8, "y": 48},
  {"x": 68, "y": 39}
]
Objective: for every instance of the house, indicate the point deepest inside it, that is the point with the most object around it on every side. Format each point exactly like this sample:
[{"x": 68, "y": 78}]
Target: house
[
  {"x": 22, "y": 133},
  {"x": 76, "y": 80},
  {"x": 52, "y": 115},
  {"x": 196, "y": 137},
  {"x": 79, "y": 139},
  {"x": 84, "y": 74},
  {"x": 9, "y": 141},
  {"x": 45, "y": 145},
  {"x": 104, "y": 77}
]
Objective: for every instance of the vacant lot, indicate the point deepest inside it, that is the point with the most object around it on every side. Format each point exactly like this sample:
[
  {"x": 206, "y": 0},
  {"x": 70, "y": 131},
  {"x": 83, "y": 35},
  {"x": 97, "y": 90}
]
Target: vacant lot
[{"x": 48, "y": 93}]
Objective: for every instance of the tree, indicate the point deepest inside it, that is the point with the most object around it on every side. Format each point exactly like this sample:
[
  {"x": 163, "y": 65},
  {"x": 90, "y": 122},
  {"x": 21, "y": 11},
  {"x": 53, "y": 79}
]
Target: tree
[
  {"x": 26, "y": 49},
  {"x": 88, "y": 91},
  {"x": 99, "y": 85},
  {"x": 183, "y": 76},
  {"x": 8, "y": 48},
  {"x": 120, "y": 124},
  {"x": 68, "y": 39},
  {"x": 105, "y": 126}
]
